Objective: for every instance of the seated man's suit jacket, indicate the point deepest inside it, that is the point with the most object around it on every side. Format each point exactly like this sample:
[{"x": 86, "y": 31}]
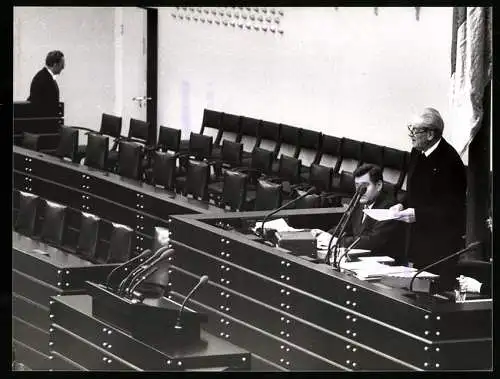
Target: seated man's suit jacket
[{"x": 381, "y": 237}]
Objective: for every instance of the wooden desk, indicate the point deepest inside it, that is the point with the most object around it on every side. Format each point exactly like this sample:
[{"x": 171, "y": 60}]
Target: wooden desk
[
  {"x": 35, "y": 278},
  {"x": 93, "y": 344},
  {"x": 304, "y": 316}
]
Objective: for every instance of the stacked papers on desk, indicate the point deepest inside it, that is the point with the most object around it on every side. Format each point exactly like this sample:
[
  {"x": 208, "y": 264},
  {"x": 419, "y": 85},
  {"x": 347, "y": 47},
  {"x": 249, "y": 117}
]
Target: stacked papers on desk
[
  {"x": 370, "y": 269},
  {"x": 381, "y": 259}
]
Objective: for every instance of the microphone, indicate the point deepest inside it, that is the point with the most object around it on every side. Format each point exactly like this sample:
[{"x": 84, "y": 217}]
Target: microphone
[
  {"x": 347, "y": 249},
  {"x": 202, "y": 280},
  {"x": 132, "y": 274},
  {"x": 360, "y": 191},
  {"x": 151, "y": 271},
  {"x": 471, "y": 246},
  {"x": 126, "y": 265},
  {"x": 308, "y": 192},
  {"x": 144, "y": 268}
]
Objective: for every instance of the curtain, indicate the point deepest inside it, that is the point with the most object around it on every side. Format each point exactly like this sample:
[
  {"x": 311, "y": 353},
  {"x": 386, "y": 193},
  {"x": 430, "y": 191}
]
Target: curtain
[{"x": 471, "y": 68}]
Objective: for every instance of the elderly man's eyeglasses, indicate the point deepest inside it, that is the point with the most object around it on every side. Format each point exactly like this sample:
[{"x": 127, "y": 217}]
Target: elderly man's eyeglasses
[{"x": 414, "y": 131}]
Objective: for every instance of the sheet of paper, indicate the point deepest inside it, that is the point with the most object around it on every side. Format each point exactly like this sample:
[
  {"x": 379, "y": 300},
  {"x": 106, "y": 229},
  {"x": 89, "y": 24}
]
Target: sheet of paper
[
  {"x": 279, "y": 225},
  {"x": 380, "y": 214},
  {"x": 381, "y": 259}
]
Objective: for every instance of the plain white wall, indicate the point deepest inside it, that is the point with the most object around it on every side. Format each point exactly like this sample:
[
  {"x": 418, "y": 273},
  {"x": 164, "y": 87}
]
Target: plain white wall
[
  {"x": 344, "y": 72},
  {"x": 86, "y": 37}
]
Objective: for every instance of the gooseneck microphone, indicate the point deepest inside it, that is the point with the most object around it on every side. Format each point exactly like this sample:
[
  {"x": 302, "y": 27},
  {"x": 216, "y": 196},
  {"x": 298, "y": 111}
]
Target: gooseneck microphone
[
  {"x": 144, "y": 268},
  {"x": 202, "y": 280},
  {"x": 471, "y": 246},
  {"x": 126, "y": 266},
  {"x": 309, "y": 191},
  {"x": 342, "y": 224},
  {"x": 347, "y": 249},
  {"x": 137, "y": 269},
  {"x": 149, "y": 272}
]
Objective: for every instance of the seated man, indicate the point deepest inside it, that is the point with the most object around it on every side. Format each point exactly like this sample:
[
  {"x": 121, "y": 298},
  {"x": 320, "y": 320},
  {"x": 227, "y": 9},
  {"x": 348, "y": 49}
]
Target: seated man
[{"x": 381, "y": 237}]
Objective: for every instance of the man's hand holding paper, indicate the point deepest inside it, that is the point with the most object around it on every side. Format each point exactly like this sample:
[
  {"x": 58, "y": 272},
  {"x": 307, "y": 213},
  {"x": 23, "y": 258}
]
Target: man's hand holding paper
[{"x": 396, "y": 212}]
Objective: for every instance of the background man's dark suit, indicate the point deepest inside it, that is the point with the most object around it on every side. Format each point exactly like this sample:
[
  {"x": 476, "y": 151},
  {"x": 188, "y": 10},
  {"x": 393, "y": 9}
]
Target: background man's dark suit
[
  {"x": 44, "y": 91},
  {"x": 381, "y": 237},
  {"x": 436, "y": 190}
]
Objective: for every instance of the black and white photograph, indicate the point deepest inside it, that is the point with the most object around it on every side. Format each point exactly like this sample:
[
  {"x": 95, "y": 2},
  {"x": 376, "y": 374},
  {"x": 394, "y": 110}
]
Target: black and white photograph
[{"x": 252, "y": 189}]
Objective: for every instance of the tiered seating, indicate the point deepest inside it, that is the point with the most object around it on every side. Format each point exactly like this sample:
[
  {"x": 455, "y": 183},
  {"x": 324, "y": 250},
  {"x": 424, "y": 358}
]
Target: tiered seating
[
  {"x": 79, "y": 233},
  {"x": 251, "y": 150}
]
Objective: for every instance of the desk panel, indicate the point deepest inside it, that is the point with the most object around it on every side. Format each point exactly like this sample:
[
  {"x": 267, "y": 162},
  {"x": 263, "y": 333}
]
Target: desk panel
[{"x": 360, "y": 325}]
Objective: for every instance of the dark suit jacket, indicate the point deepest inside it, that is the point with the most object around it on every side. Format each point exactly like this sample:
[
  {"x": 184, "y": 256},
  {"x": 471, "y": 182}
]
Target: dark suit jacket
[
  {"x": 381, "y": 237},
  {"x": 44, "y": 91},
  {"x": 437, "y": 191}
]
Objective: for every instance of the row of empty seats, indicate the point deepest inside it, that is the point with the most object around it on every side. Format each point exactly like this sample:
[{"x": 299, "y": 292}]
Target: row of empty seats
[
  {"x": 45, "y": 221},
  {"x": 262, "y": 150},
  {"x": 341, "y": 154}
]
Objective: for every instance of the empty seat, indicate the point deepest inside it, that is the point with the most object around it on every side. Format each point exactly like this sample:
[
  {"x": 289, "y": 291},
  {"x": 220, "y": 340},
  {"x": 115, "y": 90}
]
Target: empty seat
[
  {"x": 164, "y": 167},
  {"x": 31, "y": 141},
  {"x": 288, "y": 141},
  {"x": 393, "y": 167},
  {"x": 130, "y": 160},
  {"x": 210, "y": 124},
  {"x": 169, "y": 139},
  {"x": 27, "y": 213},
  {"x": 330, "y": 152},
  {"x": 96, "y": 152},
  {"x": 200, "y": 146},
  {"x": 309, "y": 145},
  {"x": 110, "y": 126},
  {"x": 68, "y": 143},
  {"x": 120, "y": 244},
  {"x": 234, "y": 190},
  {"x": 139, "y": 131},
  {"x": 289, "y": 169},
  {"x": 229, "y": 129},
  {"x": 371, "y": 153},
  {"x": 267, "y": 196},
  {"x": 350, "y": 153},
  {"x": 86, "y": 245},
  {"x": 197, "y": 180},
  {"x": 309, "y": 201},
  {"x": 53, "y": 223},
  {"x": 249, "y": 134},
  {"x": 269, "y": 133}
]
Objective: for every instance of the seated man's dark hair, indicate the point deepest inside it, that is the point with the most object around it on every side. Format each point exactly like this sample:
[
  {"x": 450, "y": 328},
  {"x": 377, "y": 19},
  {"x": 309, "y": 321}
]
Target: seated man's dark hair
[{"x": 374, "y": 171}]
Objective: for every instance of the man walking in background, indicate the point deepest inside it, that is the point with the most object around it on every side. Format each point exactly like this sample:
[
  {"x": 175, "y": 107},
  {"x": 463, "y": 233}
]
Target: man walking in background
[{"x": 44, "y": 91}]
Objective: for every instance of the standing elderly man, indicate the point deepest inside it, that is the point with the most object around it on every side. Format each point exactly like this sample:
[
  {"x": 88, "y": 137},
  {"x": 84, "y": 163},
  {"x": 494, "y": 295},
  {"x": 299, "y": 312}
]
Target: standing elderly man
[
  {"x": 436, "y": 196},
  {"x": 44, "y": 91}
]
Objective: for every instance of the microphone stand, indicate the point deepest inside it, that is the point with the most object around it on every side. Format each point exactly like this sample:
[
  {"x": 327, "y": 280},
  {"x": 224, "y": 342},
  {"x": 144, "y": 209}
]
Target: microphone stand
[
  {"x": 341, "y": 226},
  {"x": 203, "y": 279},
  {"x": 309, "y": 191},
  {"x": 473, "y": 245},
  {"x": 144, "y": 268},
  {"x": 348, "y": 249},
  {"x": 132, "y": 274},
  {"x": 125, "y": 265}
]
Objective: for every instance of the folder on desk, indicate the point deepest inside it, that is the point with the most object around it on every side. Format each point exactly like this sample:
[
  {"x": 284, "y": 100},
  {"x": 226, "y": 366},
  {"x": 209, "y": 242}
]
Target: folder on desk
[
  {"x": 422, "y": 283},
  {"x": 297, "y": 242}
]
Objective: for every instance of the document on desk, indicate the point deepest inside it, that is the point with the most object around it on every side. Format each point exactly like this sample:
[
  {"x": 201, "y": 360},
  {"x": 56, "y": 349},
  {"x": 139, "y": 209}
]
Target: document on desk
[
  {"x": 279, "y": 225},
  {"x": 369, "y": 269},
  {"x": 380, "y": 214}
]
